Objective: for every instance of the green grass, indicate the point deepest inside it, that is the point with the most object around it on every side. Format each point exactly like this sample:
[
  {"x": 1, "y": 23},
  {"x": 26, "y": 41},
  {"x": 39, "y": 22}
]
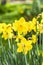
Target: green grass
[{"x": 9, "y": 13}]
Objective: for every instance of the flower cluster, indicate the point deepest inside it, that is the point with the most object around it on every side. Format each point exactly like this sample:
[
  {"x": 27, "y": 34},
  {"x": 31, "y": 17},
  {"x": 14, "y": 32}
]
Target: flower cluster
[
  {"x": 40, "y": 24},
  {"x": 22, "y": 27},
  {"x": 6, "y": 31}
]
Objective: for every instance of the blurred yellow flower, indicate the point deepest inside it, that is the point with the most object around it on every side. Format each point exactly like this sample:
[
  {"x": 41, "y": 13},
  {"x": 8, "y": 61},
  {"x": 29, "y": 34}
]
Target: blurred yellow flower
[
  {"x": 7, "y": 32},
  {"x": 34, "y": 21},
  {"x": 20, "y": 26},
  {"x": 42, "y": 63},
  {"x": 40, "y": 27},
  {"x": 19, "y": 37},
  {"x": 2, "y": 27},
  {"x": 24, "y": 46},
  {"x": 41, "y": 21},
  {"x": 5, "y": 36},
  {"x": 31, "y": 26},
  {"x": 34, "y": 39},
  {"x": 8, "y": 29}
]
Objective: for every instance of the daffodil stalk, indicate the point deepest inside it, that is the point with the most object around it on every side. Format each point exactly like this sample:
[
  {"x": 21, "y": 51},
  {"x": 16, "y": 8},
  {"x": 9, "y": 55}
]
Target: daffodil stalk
[
  {"x": 37, "y": 40},
  {"x": 9, "y": 43},
  {"x": 1, "y": 41},
  {"x": 42, "y": 41},
  {"x": 42, "y": 48},
  {"x": 37, "y": 37},
  {"x": 25, "y": 59}
]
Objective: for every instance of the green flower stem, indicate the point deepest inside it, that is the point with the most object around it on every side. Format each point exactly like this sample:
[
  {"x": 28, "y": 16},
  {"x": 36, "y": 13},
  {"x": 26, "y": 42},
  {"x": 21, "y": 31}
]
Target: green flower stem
[
  {"x": 41, "y": 47},
  {"x": 37, "y": 40},
  {"x": 0, "y": 39},
  {"x": 25, "y": 59},
  {"x": 9, "y": 43},
  {"x": 37, "y": 48},
  {"x": 42, "y": 41}
]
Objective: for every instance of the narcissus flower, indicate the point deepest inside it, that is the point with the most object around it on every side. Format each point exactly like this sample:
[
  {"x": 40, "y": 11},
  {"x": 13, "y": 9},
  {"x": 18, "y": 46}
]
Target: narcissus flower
[
  {"x": 19, "y": 37},
  {"x": 2, "y": 27},
  {"x": 7, "y": 36},
  {"x": 41, "y": 28},
  {"x": 24, "y": 46},
  {"x": 20, "y": 26},
  {"x": 34, "y": 21},
  {"x": 34, "y": 39},
  {"x": 7, "y": 32},
  {"x": 31, "y": 26}
]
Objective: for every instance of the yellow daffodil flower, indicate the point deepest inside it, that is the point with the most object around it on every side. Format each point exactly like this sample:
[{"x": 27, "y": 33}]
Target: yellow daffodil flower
[
  {"x": 2, "y": 27},
  {"x": 34, "y": 39},
  {"x": 24, "y": 46},
  {"x": 31, "y": 26},
  {"x": 7, "y": 32},
  {"x": 34, "y": 21},
  {"x": 20, "y": 26}
]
